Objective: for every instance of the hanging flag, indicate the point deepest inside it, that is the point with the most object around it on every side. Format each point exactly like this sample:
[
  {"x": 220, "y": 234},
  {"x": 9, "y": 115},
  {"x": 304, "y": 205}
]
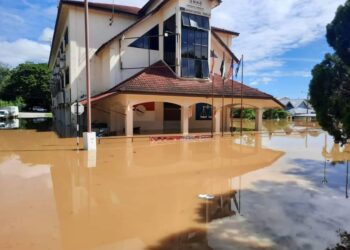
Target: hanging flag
[
  {"x": 212, "y": 56},
  {"x": 223, "y": 69},
  {"x": 238, "y": 66},
  {"x": 230, "y": 72}
]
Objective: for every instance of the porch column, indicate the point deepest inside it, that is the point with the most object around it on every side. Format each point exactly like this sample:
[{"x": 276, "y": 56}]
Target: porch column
[
  {"x": 184, "y": 120},
  {"x": 217, "y": 120},
  {"x": 129, "y": 121},
  {"x": 258, "y": 119}
]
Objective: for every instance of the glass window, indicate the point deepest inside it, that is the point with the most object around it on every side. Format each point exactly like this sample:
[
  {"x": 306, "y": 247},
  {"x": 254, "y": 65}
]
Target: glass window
[
  {"x": 194, "y": 42},
  {"x": 66, "y": 38},
  {"x": 184, "y": 67},
  {"x": 169, "y": 41},
  {"x": 205, "y": 68},
  {"x": 198, "y": 37},
  {"x": 204, "y": 38},
  {"x": 66, "y": 74},
  {"x": 185, "y": 19},
  {"x": 204, "y": 53},
  {"x": 191, "y": 68},
  {"x": 205, "y": 22},
  {"x": 198, "y": 68},
  {"x": 198, "y": 52},
  {"x": 149, "y": 40}
]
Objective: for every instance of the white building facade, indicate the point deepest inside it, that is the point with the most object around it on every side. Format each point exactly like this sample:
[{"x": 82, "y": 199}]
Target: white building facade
[{"x": 150, "y": 68}]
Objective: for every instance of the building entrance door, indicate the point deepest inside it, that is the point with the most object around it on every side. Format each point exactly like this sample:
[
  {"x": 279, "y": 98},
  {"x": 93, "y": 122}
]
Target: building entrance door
[{"x": 172, "y": 118}]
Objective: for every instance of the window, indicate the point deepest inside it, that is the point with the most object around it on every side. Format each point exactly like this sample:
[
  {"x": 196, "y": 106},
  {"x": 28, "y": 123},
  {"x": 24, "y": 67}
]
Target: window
[
  {"x": 149, "y": 40},
  {"x": 66, "y": 38},
  {"x": 194, "y": 46},
  {"x": 66, "y": 75},
  {"x": 170, "y": 42},
  {"x": 195, "y": 21}
]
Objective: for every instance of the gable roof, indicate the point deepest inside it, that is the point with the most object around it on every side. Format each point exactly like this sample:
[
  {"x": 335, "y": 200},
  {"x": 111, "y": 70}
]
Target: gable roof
[
  {"x": 224, "y": 46},
  {"x": 230, "y": 32},
  {"x": 124, "y": 9},
  {"x": 159, "y": 79}
]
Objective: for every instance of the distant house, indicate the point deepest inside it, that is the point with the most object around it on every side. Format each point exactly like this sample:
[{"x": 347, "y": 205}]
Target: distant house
[{"x": 298, "y": 108}]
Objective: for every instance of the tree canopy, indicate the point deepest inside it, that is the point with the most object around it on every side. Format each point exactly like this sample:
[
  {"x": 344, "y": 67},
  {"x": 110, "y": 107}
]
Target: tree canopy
[
  {"x": 31, "y": 82},
  {"x": 329, "y": 88},
  {"x": 330, "y": 95},
  {"x": 338, "y": 32}
]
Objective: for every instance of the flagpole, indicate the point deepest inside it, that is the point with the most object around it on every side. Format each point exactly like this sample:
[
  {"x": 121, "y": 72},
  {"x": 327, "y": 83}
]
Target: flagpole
[
  {"x": 231, "y": 115},
  {"x": 212, "y": 104},
  {"x": 242, "y": 98},
  {"x": 223, "y": 91}
]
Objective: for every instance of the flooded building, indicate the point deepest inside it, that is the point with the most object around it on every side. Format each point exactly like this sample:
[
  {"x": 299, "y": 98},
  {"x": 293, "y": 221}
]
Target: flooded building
[
  {"x": 299, "y": 109},
  {"x": 154, "y": 69}
]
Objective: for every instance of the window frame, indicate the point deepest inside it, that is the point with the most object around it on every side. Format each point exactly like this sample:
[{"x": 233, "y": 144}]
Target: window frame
[{"x": 194, "y": 50}]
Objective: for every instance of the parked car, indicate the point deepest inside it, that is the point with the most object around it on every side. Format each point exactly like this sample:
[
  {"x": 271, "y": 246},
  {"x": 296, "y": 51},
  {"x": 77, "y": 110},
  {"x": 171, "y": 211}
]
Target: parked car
[
  {"x": 39, "y": 109},
  {"x": 4, "y": 114}
]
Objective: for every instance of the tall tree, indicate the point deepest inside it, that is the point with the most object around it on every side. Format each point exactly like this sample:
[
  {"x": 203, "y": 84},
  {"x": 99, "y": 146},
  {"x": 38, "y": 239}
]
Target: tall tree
[
  {"x": 330, "y": 94},
  {"x": 31, "y": 82},
  {"x": 5, "y": 73},
  {"x": 338, "y": 32}
]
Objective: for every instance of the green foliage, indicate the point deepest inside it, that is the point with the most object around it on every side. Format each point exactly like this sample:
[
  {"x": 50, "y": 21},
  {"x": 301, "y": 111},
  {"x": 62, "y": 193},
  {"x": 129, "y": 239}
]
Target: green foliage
[
  {"x": 18, "y": 102},
  {"x": 338, "y": 32},
  {"x": 330, "y": 94},
  {"x": 31, "y": 82},
  {"x": 344, "y": 241},
  {"x": 247, "y": 114},
  {"x": 5, "y": 73},
  {"x": 275, "y": 114}
]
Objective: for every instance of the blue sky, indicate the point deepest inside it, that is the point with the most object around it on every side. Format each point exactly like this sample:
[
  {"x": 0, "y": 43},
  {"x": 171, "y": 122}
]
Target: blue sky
[{"x": 281, "y": 40}]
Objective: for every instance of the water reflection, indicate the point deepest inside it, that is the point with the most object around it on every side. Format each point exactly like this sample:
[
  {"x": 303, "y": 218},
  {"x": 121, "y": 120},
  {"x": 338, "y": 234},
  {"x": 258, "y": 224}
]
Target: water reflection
[{"x": 268, "y": 192}]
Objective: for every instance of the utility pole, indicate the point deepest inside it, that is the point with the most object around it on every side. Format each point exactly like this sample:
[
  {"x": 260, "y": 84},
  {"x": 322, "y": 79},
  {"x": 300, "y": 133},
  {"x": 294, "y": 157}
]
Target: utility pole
[
  {"x": 88, "y": 105},
  {"x": 89, "y": 136}
]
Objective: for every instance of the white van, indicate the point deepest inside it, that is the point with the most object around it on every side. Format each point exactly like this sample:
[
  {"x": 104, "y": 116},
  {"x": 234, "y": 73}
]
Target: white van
[
  {"x": 4, "y": 114},
  {"x": 12, "y": 111}
]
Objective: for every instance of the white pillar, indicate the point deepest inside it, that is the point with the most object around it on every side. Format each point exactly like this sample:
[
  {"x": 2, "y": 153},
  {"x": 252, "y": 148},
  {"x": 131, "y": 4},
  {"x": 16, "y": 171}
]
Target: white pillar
[
  {"x": 129, "y": 121},
  {"x": 218, "y": 120},
  {"x": 184, "y": 119},
  {"x": 258, "y": 119}
]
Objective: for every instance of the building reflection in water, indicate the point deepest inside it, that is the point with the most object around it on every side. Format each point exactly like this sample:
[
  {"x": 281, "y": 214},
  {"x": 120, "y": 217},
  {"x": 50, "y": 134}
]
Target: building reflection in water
[
  {"x": 336, "y": 156},
  {"x": 141, "y": 193}
]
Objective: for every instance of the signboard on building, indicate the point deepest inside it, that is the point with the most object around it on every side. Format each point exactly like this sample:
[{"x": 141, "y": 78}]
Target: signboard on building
[{"x": 198, "y": 7}]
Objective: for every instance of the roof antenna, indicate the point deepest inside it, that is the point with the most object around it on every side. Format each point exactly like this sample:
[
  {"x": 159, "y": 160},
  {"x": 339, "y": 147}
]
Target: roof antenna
[{"x": 111, "y": 19}]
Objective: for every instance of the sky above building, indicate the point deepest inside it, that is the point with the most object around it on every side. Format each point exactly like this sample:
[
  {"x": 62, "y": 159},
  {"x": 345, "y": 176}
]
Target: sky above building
[{"x": 281, "y": 40}]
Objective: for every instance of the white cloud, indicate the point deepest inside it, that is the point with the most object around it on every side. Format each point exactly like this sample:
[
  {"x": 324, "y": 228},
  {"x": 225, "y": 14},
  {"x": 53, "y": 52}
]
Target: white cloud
[
  {"x": 46, "y": 35},
  {"x": 262, "y": 80},
  {"x": 22, "y": 50},
  {"x": 270, "y": 28}
]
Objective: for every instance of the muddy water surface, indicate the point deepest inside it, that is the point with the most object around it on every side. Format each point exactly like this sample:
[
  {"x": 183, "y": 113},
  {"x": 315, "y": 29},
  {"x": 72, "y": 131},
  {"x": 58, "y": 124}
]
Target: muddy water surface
[{"x": 269, "y": 191}]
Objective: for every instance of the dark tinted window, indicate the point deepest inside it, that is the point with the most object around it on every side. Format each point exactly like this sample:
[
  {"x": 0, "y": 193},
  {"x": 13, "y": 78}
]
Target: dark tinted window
[
  {"x": 66, "y": 38},
  {"x": 170, "y": 42},
  {"x": 194, "y": 46},
  {"x": 66, "y": 74},
  {"x": 150, "y": 40}
]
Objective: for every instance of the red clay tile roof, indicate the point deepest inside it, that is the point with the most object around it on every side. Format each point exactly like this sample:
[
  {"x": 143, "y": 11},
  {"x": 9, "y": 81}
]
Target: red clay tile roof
[{"x": 159, "y": 79}]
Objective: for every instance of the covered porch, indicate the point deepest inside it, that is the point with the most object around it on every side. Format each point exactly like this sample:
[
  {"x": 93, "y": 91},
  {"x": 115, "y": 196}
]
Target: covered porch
[
  {"x": 156, "y": 101},
  {"x": 131, "y": 114}
]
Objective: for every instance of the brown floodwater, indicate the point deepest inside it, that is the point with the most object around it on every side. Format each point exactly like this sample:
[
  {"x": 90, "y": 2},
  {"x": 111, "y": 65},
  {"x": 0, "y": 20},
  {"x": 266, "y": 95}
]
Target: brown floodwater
[{"x": 281, "y": 190}]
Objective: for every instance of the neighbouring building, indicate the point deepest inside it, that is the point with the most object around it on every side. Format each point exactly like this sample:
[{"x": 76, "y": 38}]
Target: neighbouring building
[
  {"x": 150, "y": 68},
  {"x": 299, "y": 109}
]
